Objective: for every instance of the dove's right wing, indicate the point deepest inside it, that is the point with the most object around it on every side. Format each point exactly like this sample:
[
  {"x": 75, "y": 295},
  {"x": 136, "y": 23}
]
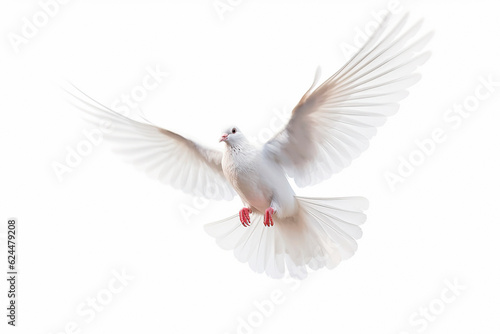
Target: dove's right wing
[
  {"x": 163, "y": 154},
  {"x": 332, "y": 124}
]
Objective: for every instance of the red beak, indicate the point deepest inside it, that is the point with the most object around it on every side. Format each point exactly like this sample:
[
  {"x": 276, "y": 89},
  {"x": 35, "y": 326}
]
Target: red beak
[{"x": 224, "y": 137}]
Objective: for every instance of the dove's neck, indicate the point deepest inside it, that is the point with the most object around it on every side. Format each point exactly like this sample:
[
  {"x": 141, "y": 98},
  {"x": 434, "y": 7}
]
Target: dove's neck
[
  {"x": 239, "y": 165},
  {"x": 243, "y": 145}
]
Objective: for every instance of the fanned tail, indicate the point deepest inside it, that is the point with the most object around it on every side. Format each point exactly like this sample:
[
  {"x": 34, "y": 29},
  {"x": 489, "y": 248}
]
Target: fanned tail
[{"x": 321, "y": 234}]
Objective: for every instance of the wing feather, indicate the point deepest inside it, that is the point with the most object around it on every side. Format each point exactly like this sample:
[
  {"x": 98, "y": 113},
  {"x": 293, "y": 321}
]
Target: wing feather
[
  {"x": 332, "y": 124},
  {"x": 162, "y": 154}
]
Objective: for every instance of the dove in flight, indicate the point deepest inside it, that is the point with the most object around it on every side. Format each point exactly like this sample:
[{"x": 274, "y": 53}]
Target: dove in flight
[{"x": 277, "y": 231}]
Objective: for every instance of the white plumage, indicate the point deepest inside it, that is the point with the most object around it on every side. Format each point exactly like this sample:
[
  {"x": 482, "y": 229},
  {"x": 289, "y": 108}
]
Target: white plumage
[{"x": 330, "y": 126}]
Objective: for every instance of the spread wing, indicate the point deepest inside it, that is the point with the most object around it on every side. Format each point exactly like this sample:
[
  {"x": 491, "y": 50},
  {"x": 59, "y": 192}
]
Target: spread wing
[
  {"x": 163, "y": 154},
  {"x": 332, "y": 124}
]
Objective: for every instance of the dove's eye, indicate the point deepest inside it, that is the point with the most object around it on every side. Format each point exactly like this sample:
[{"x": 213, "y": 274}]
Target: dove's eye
[{"x": 233, "y": 130}]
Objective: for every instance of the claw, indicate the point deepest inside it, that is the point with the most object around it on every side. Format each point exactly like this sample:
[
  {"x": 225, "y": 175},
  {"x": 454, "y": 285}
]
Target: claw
[
  {"x": 245, "y": 216},
  {"x": 268, "y": 217}
]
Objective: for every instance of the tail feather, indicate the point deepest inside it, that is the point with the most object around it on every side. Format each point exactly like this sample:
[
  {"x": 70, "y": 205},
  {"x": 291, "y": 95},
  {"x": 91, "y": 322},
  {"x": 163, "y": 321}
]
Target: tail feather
[{"x": 322, "y": 234}]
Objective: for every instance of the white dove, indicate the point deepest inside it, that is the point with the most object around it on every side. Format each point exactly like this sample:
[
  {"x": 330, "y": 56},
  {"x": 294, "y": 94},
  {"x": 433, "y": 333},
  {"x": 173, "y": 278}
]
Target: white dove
[{"x": 330, "y": 126}]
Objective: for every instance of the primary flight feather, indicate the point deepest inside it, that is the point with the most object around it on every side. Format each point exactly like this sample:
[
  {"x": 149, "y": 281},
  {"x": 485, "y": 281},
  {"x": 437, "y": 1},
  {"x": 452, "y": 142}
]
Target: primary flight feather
[{"x": 278, "y": 231}]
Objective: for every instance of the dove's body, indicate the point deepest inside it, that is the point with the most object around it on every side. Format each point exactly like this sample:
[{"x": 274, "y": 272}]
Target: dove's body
[
  {"x": 259, "y": 181},
  {"x": 330, "y": 126}
]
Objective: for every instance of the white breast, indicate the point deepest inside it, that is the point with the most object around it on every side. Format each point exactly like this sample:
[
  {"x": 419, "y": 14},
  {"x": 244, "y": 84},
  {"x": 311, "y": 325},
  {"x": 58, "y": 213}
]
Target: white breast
[{"x": 243, "y": 168}]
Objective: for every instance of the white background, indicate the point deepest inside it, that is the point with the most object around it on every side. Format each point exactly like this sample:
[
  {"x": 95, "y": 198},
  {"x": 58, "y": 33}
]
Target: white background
[{"x": 440, "y": 225}]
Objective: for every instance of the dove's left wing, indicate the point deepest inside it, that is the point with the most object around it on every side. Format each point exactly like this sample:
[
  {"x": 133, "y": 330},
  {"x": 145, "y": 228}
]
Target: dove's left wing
[
  {"x": 332, "y": 124},
  {"x": 163, "y": 154}
]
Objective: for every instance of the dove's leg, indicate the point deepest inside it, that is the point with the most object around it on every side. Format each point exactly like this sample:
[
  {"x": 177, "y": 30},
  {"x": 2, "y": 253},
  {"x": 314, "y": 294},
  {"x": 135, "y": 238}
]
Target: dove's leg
[
  {"x": 245, "y": 216},
  {"x": 268, "y": 216}
]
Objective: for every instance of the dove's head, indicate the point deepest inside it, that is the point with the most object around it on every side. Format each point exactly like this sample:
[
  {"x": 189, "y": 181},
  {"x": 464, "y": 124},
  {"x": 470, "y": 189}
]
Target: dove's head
[{"x": 232, "y": 136}]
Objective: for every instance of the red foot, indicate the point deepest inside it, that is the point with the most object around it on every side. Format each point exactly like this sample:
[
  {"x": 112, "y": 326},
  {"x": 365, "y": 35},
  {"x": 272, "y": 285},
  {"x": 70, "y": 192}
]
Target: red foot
[
  {"x": 245, "y": 216},
  {"x": 268, "y": 217}
]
